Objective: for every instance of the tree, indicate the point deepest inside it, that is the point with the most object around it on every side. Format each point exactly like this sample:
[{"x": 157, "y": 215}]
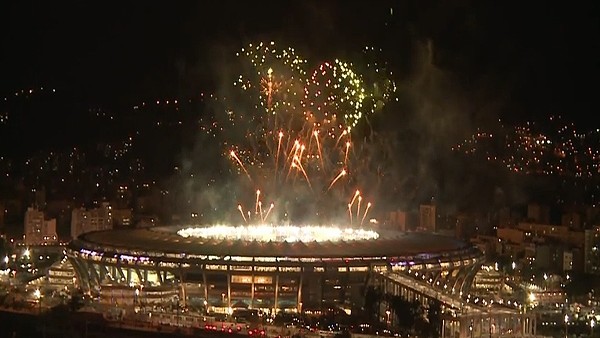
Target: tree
[
  {"x": 373, "y": 298},
  {"x": 580, "y": 284},
  {"x": 76, "y": 302},
  {"x": 405, "y": 312},
  {"x": 434, "y": 317}
]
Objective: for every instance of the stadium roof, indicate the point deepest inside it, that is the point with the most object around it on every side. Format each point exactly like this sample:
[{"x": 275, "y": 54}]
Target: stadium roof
[{"x": 166, "y": 240}]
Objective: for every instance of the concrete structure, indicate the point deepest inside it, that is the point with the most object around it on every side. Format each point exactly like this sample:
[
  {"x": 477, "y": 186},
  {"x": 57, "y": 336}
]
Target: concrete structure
[
  {"x": 488, "y": 279},
  {"x": 591, "y": 250},
  {"x": 38, "y": 230},
  {"x": 546, "y": 245},
  {"x": 567, "y": 260},
  {"x": 511, "y": 235},
  {"x": 61, "y": 275},
  {"x": 97, "y": 219},
  {"x": 122, "y": 217},
  {"x": 538, "y": 213},
  {"x": 571, "y": 220},
  {"x": 461, "y": 319},
  {"x": 398, "y": 220},
  {"x": 550, "y": 257},
  {"x": 558, "y": 232},
  {"x": 272, "y": 276},
  {"x": 427, "y": 217}
]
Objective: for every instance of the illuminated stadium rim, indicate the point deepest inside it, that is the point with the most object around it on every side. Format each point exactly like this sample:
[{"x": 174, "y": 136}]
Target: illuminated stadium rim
[
  {"x": 281, "y": 233},
  {"x": 164, "y": 244}
]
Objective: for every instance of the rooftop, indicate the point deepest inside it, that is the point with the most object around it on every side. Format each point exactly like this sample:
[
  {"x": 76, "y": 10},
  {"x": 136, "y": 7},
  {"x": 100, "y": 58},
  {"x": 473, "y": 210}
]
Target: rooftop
[{"x": 166, "y": 240}]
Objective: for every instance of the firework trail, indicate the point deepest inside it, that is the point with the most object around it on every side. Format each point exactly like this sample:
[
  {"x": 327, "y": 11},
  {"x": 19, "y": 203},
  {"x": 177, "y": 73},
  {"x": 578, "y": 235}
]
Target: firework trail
[{"x": 293, "y": 125}]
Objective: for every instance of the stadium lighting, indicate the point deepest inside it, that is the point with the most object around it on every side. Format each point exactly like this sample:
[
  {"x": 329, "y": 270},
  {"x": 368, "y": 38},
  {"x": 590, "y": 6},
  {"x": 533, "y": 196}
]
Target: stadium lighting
[{"x": 267, "y": 233}]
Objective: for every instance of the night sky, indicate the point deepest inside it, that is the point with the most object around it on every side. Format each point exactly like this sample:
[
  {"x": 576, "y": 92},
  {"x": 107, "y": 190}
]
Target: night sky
[
  {"x": 528, "y": 59},
  {"x": 460, "y": 67}
]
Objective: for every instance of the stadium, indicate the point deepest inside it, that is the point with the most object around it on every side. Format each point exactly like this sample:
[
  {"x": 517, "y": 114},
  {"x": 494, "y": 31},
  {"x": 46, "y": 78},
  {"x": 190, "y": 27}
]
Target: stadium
[{"x": 268, "y": 268}]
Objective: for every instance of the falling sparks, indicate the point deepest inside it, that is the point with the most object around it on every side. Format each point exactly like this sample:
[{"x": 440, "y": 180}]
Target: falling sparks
[
  {"x": 365, "y": 214},
  {"x": 358, "y": 206},
  {"x": 242, "y": 212},
  {"x": 257, "y": 201},
  {"x": 350, "y": 212},
  {"x": 346, "y": 153},
  {"x": 340, "y": 175},
  {"x": 278, "y": 149},
  {"x": 356, "y": 194},
  {"x": 296, "y": 121},
  {"x": 268, "y": 212},
  {"x": 336, "y": 88},
  {"x": 232, "y": 153}
]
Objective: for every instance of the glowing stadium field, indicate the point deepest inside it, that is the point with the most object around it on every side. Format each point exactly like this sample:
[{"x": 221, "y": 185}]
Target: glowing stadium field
[{"x": 267, "y": 233}]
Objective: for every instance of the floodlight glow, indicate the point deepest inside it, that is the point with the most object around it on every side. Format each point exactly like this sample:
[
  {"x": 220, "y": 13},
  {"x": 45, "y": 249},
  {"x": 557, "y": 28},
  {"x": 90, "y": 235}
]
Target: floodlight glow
[{"x": 267, "y": 233}]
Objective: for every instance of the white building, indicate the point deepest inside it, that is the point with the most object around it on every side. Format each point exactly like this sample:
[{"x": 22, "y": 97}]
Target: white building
[
  {"x": 96, "y": 219},
  {"x": 38, "y": 230}
]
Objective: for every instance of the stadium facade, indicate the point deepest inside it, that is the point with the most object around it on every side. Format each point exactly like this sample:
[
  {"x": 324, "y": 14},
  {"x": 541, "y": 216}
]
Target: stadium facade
[{"x": 269, "y": 275}]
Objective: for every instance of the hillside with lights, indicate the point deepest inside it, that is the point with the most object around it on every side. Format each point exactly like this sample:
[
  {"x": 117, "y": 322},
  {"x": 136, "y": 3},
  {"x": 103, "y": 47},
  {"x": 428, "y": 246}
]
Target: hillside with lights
[{"x": 556, "y": 148}]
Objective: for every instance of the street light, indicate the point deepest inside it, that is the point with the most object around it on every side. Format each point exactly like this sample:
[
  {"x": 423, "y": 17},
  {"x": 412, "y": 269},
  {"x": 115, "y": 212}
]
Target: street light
[
  {"x": 137, "y": 295},
  {"x": 388, "y": 312},
  {"x": 566, "y": 325},
  {"x": 38, "y": 296},
  {"x": 532, "y": 300},
  {"x": 592, "y": 324}
]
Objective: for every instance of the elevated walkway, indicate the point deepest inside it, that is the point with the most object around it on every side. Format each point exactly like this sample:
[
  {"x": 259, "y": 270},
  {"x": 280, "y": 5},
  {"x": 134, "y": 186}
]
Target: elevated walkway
[{"x": 462, "y": 319}]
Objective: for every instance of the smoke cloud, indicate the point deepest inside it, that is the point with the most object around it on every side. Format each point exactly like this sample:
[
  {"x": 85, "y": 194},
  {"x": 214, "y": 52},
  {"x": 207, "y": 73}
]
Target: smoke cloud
[{"x": 403, "y": 151}]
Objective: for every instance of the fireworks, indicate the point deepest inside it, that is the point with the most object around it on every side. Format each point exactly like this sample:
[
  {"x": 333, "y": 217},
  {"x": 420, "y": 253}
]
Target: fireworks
[
  {"x": 295, "y": 143},
  {"x": 290, "y": 234},
  {"x": 334, "y": 89},
  {"x": 379, "y": 77},
  {"x": 274, "y": 81}
]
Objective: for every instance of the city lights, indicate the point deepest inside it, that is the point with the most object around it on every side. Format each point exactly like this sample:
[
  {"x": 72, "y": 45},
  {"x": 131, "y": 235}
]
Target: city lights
[{"x": 558, "y": 149}]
